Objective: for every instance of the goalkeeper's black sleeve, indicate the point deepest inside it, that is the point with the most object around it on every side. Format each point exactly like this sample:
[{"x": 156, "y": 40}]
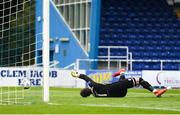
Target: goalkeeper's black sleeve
[{"x": 89, "y": 81}]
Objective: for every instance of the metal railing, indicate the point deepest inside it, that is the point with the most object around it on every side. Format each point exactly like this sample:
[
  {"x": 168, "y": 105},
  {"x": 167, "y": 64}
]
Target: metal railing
[
  {"x": 109, "y": 61},
  {"x": 109, "y": 57},
  {"x": 118, "y": 62}
]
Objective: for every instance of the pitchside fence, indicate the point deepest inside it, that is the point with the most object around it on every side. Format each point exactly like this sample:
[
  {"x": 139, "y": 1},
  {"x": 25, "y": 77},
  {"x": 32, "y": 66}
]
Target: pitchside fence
[
  {"x": 116, "y": 63},
  {"x": 115, "y": 57}
]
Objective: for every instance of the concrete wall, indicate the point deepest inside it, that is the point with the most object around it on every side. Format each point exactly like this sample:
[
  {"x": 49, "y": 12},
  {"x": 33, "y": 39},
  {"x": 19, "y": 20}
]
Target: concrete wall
[{"x": 64, "y": 47}]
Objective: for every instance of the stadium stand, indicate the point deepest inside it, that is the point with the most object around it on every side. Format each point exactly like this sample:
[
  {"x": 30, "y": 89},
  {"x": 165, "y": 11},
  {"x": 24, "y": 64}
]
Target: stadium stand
[{"x": 149, "y": 28}]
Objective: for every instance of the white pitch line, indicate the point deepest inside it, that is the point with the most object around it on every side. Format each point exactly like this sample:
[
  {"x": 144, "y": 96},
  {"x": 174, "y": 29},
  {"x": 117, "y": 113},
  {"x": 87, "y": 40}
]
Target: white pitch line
[
  {"x": 54, "y": 104},
  {"x": 123, "y": 106},
  {"x": 126, "y": 106}
]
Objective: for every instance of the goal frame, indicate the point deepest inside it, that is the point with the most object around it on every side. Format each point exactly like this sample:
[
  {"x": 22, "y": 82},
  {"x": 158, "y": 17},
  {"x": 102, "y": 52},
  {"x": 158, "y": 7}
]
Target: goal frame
[{"x": 46, "y": 6}]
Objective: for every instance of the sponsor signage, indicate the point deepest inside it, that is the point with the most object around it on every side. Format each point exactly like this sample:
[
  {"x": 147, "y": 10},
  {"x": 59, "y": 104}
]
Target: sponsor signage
[
  {"x": 163, "y": 78},
  {"x": 100, "y": 76},
  {"x": 105, "y": 76},
  {"x": 63, "y": 78},
  {"x": 15, "y": 76}
]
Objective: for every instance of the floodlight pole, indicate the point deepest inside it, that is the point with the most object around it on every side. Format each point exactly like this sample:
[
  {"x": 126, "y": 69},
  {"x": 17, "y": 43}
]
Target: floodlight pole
[{"x": 45, "y": 51}]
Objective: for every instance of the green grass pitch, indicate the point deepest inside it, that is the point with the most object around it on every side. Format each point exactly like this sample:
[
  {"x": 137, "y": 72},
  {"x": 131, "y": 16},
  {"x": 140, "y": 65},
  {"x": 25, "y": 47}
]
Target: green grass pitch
[{"x": 68, "y": 101}]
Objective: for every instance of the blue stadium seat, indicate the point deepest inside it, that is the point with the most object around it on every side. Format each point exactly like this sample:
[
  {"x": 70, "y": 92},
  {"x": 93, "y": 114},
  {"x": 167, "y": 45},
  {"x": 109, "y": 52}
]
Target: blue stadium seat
[{"x": 149, "y": 32}]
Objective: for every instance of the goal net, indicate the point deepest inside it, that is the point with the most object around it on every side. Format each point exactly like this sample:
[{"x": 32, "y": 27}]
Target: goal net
[{"x": 21, "y": 49}]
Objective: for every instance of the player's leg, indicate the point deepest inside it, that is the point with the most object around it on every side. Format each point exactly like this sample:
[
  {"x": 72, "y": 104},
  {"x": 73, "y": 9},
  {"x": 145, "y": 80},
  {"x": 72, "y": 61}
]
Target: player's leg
[
  {"x": 120, "y": 72},
  {"x": 122, "y": 76},
  {"x": 142, "y": 82},
  {"x": 146, "y": 85},
  {"x": 131, "y": 82}
]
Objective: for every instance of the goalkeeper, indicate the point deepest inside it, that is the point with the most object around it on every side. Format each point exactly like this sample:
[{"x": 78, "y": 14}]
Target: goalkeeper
[{"x": 116, "y": 89}]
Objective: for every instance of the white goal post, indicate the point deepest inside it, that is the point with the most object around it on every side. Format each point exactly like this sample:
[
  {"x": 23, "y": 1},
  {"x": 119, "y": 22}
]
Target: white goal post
[{"x": 46, "y": 12}]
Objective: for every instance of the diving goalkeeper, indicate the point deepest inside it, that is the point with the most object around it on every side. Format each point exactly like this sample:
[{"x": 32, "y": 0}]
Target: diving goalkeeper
[{"x": 116, "y": 89}]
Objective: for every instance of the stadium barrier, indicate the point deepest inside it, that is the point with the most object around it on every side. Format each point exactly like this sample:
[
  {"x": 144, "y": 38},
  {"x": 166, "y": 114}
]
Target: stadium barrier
[
  {"x": 110, "y": 64},
  {"x": 162, "y": 78},
  {"x": 115, "y": 52},
  {"x": 58, "y": 78},
  {"x": 62, "y": 78}
]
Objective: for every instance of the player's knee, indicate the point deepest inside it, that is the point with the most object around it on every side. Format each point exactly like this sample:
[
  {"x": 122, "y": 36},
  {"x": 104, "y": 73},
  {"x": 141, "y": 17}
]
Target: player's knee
[
  {"x": 141, "y": 79},
  {"x": 136, "y": 81}
]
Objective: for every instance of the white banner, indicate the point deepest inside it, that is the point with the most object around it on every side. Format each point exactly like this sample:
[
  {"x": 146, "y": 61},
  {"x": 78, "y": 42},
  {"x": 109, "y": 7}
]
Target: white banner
[
  {"x": 63, "y": 78},
  {"x": 162, "y": 78},
  {"x": 14, "y": 77},
  {"x": 66, "y": 80}
]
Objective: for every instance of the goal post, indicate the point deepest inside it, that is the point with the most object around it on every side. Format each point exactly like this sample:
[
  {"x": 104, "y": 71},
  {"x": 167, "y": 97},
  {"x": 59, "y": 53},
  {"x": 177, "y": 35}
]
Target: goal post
[
  {"x": 24, "y": 49},
  {"x": 46, "y": 37}
]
